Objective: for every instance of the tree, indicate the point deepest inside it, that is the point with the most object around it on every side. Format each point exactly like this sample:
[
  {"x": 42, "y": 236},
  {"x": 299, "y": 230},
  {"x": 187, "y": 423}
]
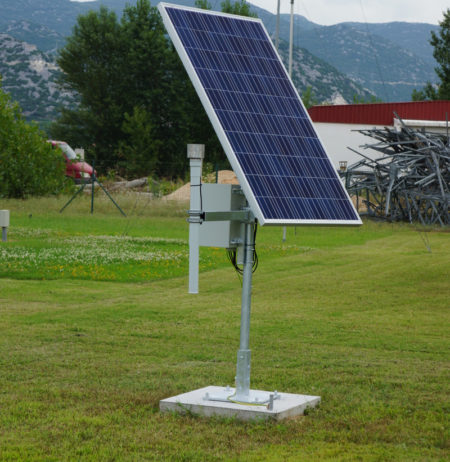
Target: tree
[
  {"x": 119, "y": 70},
  {"x": 240, "y": 7},
  {"x": 441, "y": 53},
  {"x": 357, "y": 99},
  {"x": 142, "y": 147},
  {"x": 132, "y": 87},
  {"x": 92, "y": 67},
  {"x": 308, "y": 98},
  {"x": 28, "y": 164}
]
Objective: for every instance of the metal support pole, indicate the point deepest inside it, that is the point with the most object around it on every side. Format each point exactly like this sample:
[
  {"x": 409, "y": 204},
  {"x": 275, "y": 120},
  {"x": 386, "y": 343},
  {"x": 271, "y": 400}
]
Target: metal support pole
[
  {"x": 4, "y": 234},
  {"x": 80, "y": 190},
  {"x": 291, "y": 45},
  {"x": 291, "y": 38},
  {"x": 93, "y": 186},
  {"x": 195, "y": 153},
  {"x": 277, "y": 33},
  {"x": 243, "y": 355},
  {"x": 110, "y": 197}
]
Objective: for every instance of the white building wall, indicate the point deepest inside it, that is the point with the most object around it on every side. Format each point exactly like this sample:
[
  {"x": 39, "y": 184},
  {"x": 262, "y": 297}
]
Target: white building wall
[{"x": 338, "y": 137}]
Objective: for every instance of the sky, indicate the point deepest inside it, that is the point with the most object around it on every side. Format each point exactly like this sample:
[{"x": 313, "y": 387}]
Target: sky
[{"x": 327, "y": 12}]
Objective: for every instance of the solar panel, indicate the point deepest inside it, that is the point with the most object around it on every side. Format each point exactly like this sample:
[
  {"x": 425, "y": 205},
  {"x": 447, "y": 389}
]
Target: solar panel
[{"x": 259, "y": 118}]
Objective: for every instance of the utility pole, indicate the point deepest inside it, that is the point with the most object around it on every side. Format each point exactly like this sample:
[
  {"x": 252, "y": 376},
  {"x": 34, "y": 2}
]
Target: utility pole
[
  {"x": 291, "y": 38},
  {"x": 277, "y": 32}
]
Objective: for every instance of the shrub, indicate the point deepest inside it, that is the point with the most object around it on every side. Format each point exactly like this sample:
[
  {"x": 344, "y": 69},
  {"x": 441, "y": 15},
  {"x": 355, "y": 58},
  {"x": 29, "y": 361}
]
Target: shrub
[{"x": 28, "y": 164}]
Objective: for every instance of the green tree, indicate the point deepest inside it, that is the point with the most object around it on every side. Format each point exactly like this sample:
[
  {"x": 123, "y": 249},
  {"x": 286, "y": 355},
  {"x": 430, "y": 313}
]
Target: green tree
[
  {"x": 92, "y": 66},
  {"x": 308, "y": 98},
  {"x": 203, "y": 4},
  {"x": 155, "y": 90},
  {"x": 441, "y": 44},
  {"x": 118, "y": 70},
  {"x": 142, "y": 147},
  {"x": 418, "y": 95},
  {"x": 361, "y": 100},
  {"x": 128, "y": 73},
  {"x": 240, "y": 7},
  {"x": 28, "y": 164}
]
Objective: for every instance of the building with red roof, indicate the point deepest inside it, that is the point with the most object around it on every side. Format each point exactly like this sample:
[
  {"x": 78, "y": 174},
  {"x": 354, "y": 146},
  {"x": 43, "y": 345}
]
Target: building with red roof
[{"x": 336, "y": 125}]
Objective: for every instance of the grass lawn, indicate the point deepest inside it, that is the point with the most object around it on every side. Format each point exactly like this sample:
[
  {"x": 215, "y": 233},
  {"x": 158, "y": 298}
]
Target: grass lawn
[{"x": 97, "y": 326}]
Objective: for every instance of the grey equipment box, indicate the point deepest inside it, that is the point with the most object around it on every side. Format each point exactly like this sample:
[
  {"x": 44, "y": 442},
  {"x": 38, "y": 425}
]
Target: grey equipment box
[
  {"x": 221, "y": 198},
  {"x": 4, "y": 218}
]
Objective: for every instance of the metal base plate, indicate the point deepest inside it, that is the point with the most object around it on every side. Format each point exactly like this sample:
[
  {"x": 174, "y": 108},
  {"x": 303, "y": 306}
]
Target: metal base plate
[{"x": 286, "y": 405}]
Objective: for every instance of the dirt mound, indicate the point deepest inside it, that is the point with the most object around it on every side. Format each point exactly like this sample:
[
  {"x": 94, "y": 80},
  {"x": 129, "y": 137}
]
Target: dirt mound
[
  {"x": 184, "y": 193},
  {"x": 227, "y": 177}
]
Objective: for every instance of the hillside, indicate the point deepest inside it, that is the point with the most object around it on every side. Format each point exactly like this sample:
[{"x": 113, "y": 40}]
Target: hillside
[
  {"x": 379, "y": 64},
  {"x": 326, "y": 82},
  {"x": 414, "y": 37},
  {"x": 29, "y": 75},
  {"x": 44, "y": 38},
  {"x": 389, "y": 59}
]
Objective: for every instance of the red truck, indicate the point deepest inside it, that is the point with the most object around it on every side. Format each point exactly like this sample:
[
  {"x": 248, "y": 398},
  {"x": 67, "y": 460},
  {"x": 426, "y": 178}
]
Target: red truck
[{"x": 76, "y": 169}]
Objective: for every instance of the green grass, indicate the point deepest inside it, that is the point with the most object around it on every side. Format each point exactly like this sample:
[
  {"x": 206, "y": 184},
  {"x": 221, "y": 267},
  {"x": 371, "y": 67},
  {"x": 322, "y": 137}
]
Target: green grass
[{"x": 358, "y": 316}]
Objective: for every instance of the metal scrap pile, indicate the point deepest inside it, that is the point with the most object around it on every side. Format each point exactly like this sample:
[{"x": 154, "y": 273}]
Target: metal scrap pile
[{"x": 409, "y": 182}]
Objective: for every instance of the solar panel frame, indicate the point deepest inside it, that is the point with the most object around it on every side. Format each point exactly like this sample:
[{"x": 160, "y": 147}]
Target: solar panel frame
[{"x": 223, "y": 138}]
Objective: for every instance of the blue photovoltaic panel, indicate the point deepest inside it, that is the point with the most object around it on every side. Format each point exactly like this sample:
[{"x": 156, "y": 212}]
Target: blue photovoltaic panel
[{"x": 259, "y": 118}]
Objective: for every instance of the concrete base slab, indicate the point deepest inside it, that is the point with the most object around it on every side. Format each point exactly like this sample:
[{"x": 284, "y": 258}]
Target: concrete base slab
[{"x": 286, "y": 405}]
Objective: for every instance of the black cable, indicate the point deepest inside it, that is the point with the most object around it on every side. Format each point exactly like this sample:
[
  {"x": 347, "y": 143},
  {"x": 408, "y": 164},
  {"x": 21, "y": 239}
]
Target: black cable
[
  {"x": 201, "y": 197},
  {"x": 232, "y": 255}
]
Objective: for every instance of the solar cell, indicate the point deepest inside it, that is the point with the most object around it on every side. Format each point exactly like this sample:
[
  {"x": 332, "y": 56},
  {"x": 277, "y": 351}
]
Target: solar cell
[{"x": 259, "y": 118}]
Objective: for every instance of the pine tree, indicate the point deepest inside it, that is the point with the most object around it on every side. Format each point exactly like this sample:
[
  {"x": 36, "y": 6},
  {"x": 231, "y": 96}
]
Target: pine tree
[{"x": 441, "y": 44}]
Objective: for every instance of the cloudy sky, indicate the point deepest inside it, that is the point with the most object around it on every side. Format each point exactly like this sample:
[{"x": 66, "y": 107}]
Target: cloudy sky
[{"x": 333, "y": 11}]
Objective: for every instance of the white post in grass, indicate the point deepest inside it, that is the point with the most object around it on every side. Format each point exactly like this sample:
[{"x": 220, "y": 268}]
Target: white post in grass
[
  {"x": 4, "y": 223},
  {"x": 195, "y": 153}
]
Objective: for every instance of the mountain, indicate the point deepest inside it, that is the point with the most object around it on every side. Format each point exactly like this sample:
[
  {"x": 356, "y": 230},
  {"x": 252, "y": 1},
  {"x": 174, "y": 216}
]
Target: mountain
[
  {"x": 414, "y": 37},
  {"x": 29, "y": 75},
  {"x": 57, "y": 15},
  {"x": 379, "y": 64},
  {"x": 389, "y": 59},
  {"x": 44, "y": 38},
  {"x": 327, "y": 84}
]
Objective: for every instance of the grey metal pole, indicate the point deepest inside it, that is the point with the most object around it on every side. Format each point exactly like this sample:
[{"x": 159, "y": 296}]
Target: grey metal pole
[
  {"x": 291, "y": 38},
  {"x": 4, "y": 234},
  {"x": 195, "y": 153},
  {"x": 277, "y": 32},
  {"x": 291, "y": 45},
  {"x": 243, "y": 355},
  {"x": 93, "y": 178}
]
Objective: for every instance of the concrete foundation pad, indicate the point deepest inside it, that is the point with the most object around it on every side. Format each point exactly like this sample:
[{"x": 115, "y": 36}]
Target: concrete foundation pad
[{"x": 287, "y": 405}]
